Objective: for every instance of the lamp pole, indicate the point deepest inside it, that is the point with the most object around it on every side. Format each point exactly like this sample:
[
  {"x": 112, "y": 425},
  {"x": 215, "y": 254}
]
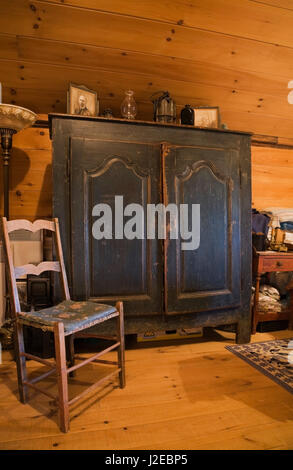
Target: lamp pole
[{"x": 6, "y": 144}]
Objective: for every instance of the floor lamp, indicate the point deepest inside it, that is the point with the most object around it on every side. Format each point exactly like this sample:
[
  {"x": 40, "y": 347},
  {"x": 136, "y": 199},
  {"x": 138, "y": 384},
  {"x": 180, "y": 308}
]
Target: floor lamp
[{"x": 12, "y": 119}]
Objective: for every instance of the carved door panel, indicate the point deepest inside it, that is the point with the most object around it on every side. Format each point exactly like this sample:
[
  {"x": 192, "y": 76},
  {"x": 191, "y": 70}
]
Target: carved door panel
[
  {"x": 115, "y": 269},
  {"x": 206, "y": 277}
]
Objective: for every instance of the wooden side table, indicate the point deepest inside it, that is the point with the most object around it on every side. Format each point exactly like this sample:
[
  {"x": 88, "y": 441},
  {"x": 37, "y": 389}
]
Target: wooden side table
[{"x": 271, "y": 261}]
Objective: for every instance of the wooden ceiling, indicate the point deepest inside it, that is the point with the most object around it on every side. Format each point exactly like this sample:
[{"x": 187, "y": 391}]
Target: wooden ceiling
[{"x": 234, "y": 54}]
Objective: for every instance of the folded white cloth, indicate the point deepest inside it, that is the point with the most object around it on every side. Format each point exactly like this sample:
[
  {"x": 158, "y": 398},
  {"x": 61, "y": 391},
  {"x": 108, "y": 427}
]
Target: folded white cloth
[
  {"x": 269, "y": 299},
  {"x": 288, "y": 238},
  {"x": 279, "y": 214}
]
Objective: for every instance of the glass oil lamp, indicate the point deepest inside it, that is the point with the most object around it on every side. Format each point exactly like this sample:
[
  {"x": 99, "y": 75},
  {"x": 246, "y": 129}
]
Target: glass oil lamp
[{"x": 128, "y": 106}]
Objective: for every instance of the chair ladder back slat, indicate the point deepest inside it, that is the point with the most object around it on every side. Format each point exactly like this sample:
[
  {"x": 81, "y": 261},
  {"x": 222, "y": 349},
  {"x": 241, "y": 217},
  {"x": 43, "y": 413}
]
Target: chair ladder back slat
[
  {"x": 22, "y": 224},
  {"x": 37, "y": 269},
  {"x": 10, "y": 267},
  {"x": 63, "y": 275}
]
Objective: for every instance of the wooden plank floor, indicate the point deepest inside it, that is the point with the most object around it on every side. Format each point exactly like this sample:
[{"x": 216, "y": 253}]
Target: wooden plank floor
[{"x": 195, "y": 395}]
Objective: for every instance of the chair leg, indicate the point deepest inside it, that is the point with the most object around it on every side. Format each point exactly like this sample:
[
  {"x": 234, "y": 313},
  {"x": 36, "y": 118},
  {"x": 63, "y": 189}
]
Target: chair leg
[
  {"x": 121, "y": 339},
  {"x": 70, "y": 348},
  {"x": 20, "y": 362},
  {"x": 60, "y": 354}
]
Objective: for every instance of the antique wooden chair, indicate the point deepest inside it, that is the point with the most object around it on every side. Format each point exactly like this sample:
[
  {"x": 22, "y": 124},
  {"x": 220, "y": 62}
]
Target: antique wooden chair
[{"x": 64, "y": 320}]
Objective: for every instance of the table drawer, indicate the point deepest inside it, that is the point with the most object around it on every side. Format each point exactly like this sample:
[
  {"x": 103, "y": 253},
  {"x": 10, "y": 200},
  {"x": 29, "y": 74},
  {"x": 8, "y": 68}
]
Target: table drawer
[{"x": 277, "y": 264}]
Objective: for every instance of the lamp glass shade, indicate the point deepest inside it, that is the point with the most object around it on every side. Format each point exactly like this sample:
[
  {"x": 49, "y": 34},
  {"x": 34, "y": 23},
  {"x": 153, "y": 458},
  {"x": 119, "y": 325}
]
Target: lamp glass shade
[{"x": 16, "y": 117}]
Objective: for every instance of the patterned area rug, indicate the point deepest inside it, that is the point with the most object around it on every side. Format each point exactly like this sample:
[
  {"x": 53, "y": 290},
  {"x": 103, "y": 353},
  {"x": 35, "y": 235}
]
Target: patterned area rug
[{"x": 272, "y": 358}]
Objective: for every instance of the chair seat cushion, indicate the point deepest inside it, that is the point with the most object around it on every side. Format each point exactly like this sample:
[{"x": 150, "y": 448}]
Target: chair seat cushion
[{"x": 74, "y": 315}]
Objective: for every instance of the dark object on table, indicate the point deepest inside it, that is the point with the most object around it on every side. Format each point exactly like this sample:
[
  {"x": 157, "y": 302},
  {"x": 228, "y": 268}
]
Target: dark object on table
[
  {"x": 164, "y": 108},
  {"x": 187, "y": 115},
  {"x": 259, "y": 241}
]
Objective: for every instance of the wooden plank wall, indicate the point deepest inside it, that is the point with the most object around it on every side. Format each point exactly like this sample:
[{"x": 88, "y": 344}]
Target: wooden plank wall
[
  {"x": 30, "y": 175},
  {"x": 234, "y": 54},
  {"x": 272, "y": 176},
  {"x": 31, "y": 178}
]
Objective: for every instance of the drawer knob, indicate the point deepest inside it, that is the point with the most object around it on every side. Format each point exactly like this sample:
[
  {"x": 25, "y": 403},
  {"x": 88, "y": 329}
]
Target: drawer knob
[{"x": 279, "y": 263}]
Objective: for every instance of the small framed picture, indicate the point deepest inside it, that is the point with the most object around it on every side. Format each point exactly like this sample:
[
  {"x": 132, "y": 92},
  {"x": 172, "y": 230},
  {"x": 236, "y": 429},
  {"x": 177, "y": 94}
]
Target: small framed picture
[
  {"x": 82, "y": 101},
  {"x": 207, "y": 116}
]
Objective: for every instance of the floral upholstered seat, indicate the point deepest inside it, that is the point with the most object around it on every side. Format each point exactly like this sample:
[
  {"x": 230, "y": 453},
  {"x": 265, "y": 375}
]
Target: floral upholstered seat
[{"x": 74, "y": 315}]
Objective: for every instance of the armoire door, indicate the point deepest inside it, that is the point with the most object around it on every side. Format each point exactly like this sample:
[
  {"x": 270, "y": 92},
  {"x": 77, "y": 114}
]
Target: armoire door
[
  {"x": 206, "y": 276},
  {"x": 116, "y": 268}
]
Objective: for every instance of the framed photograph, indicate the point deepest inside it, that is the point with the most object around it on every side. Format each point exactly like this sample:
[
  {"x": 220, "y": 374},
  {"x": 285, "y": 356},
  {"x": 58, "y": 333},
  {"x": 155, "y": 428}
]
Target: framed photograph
[
  {"x": 207, "y": 116},
  {"x": 82, "y": 101}
]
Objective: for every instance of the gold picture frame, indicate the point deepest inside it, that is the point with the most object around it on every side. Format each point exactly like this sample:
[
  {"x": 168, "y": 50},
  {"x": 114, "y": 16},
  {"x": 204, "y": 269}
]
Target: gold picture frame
[
  {"x": 82, "y": 101},
  {"x": 207, "y": 117}
]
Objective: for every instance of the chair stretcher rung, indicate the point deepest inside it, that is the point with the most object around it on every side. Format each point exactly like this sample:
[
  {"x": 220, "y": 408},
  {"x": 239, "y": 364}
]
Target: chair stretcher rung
[
  {"x": 93, "y": 335},
  {"x": 38, "y": 359},
  {"x": 102, "y": 361},
  {"x": 50, "y": 395},
  {"x": 92, "y": 387},
  {"x": 43, "y": 376},
  {"x": 92, "y": 358}
]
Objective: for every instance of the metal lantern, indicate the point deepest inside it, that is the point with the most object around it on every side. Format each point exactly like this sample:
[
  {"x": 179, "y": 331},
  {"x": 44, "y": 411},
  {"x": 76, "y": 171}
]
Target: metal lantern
[{"x": 164, "y": 108}]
